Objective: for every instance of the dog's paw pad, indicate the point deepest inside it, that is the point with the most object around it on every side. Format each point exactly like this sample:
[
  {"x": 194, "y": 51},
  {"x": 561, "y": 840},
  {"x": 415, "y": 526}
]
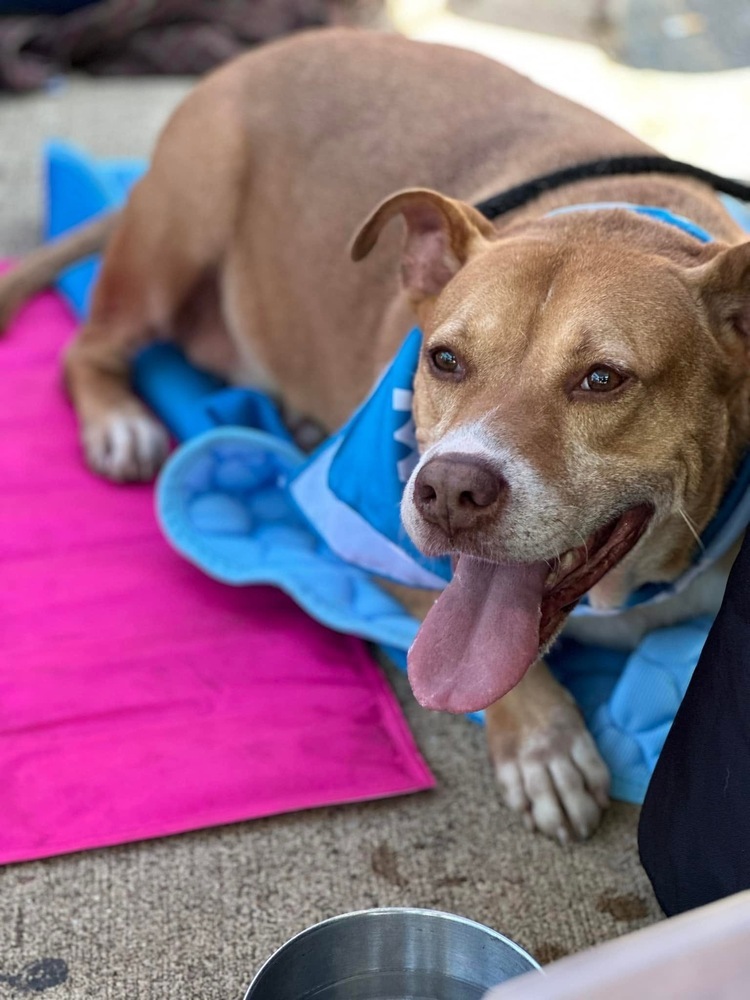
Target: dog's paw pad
[{"x": 126, "y": 446}]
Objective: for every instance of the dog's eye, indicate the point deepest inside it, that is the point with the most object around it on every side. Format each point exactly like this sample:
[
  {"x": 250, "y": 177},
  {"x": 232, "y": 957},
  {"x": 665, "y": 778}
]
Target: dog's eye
[
  {"x": 602, "y": 379},
  {"x": 444, "y": 360}
]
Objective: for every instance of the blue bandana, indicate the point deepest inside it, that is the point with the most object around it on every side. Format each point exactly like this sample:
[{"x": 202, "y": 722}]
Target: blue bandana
[{"x": 350, "y": 490}]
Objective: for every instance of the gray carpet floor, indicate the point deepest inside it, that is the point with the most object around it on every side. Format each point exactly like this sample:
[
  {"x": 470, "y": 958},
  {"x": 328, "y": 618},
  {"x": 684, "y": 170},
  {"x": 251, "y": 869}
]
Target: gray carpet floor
[{"x": 193, "y": 916}]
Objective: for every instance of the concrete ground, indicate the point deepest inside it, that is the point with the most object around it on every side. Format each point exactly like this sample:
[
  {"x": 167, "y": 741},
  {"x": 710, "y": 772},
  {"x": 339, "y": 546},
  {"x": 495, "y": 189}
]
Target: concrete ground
[{"x": 588, "y": 50}]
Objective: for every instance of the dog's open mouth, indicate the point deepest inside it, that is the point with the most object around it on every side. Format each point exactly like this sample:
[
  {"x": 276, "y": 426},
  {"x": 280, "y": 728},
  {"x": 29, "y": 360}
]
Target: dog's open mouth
[{"x": 490, "y": 623}]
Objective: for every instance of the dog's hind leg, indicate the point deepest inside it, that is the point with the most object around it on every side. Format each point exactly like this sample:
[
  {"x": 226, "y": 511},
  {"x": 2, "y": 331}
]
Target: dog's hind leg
[
  {"x": 121, "y": 439},
  {"x": 161, "y": 263},
  {"x": 157, "y": 259}
]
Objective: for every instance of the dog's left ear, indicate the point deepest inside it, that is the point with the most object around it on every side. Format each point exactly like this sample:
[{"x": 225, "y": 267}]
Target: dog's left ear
[
  {"x": 441, "y": 235},
  {"x": 724, "y": 288}
]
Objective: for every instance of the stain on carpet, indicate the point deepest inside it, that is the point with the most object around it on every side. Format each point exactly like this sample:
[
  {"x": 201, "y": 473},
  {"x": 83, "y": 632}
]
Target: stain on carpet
[
  {"x": 37, "y": 977},
  {"x": 625, "y": 906},
  {"x": 384, "y": 863},
  {"x": 451, "y": 881}
]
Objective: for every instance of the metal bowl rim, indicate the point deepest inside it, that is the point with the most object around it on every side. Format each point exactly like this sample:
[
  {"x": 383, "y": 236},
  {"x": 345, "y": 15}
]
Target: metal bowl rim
[{"x": 404, "y": 910}]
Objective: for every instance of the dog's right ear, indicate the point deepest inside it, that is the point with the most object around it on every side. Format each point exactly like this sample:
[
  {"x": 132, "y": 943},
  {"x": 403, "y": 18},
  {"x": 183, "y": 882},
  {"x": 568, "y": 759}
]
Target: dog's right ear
[{"x": 441, "y": 235}]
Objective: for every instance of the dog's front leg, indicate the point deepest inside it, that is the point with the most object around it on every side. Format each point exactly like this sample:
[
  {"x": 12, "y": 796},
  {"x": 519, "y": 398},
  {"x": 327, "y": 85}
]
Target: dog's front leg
[{"x": 545, "y": 760}]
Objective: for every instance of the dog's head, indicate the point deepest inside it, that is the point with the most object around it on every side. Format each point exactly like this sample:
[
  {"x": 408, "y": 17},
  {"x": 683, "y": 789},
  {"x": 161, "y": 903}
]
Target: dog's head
[{"x": 580, "y": 405}]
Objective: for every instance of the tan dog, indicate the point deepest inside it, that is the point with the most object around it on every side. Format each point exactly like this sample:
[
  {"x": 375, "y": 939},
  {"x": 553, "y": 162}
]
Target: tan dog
[{"x": 582, "y": 399}]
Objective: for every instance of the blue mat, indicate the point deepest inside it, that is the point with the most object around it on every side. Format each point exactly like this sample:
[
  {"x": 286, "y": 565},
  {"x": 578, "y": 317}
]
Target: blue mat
[{"x": 224, "y": 503}]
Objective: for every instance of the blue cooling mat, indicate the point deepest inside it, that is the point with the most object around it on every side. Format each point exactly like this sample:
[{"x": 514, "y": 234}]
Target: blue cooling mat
[{"x": 223, "y": 503}]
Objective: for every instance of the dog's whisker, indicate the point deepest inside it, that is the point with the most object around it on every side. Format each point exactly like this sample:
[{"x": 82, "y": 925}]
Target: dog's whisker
[{"x": 693, "y": 530}]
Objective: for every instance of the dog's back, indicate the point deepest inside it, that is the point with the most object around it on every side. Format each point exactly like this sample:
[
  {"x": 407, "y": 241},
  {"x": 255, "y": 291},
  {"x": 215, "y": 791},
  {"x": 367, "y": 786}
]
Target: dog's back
[
  {"x": 272, "y": 162},
  {"x": 338, "y": 120}
]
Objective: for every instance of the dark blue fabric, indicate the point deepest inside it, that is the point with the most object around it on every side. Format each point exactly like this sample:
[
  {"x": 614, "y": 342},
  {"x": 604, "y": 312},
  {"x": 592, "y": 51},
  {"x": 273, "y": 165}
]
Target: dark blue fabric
[
  {"x": 42, "y": 6},
  {"x": 191, "y": 401}
]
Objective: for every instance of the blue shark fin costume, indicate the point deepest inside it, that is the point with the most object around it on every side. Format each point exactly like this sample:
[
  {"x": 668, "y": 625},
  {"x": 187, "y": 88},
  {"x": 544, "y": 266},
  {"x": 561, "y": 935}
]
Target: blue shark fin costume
[{"x": 350, "y": 490}]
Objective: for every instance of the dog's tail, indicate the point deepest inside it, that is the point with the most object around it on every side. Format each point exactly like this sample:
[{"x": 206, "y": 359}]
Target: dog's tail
[{"x": 40, "y": 268}]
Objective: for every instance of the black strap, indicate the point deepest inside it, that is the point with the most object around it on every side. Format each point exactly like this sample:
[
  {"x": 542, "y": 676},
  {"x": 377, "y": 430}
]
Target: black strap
[{"x": 615, "y": 166}]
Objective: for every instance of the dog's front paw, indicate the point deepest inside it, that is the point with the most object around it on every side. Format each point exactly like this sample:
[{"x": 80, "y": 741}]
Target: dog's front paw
[
  {"x": 549, "y": 770},
  {"x": 126, "y": 445}
]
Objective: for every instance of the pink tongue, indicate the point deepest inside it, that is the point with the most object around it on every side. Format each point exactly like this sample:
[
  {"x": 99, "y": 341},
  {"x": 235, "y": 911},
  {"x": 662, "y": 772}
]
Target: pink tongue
[{"x": 480, "y": 637}]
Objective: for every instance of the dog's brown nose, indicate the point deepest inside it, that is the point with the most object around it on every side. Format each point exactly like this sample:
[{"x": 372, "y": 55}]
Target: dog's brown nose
[{"x": 454, "y": 491}]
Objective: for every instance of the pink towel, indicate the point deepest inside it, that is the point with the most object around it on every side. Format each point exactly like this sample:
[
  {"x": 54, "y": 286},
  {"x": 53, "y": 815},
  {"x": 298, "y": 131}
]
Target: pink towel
[{"x": 139, "y": 698}]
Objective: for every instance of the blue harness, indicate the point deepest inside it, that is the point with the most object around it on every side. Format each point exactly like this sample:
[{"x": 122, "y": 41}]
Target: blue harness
[{"x": 229, "y": 500}]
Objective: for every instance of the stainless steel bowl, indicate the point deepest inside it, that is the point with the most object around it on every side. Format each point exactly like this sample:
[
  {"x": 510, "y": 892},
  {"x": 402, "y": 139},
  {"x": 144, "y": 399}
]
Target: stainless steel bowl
[{"x": 390, "y": 954}]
